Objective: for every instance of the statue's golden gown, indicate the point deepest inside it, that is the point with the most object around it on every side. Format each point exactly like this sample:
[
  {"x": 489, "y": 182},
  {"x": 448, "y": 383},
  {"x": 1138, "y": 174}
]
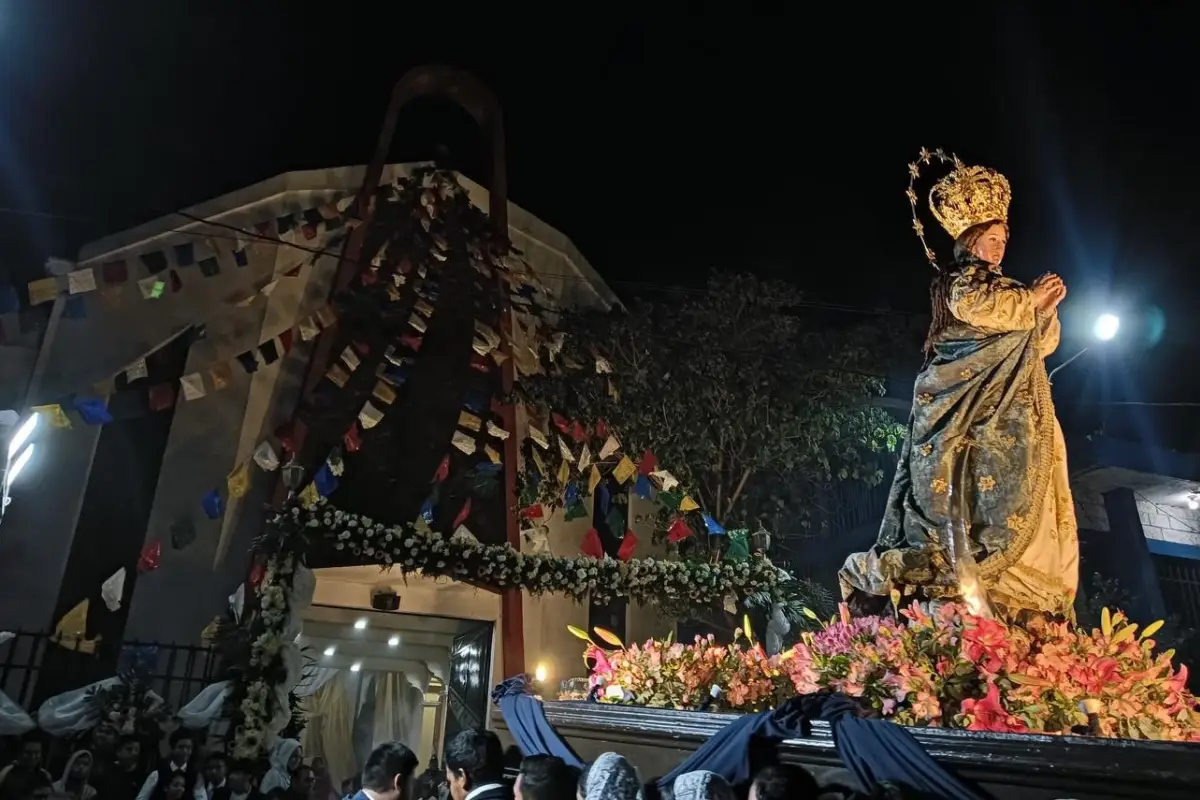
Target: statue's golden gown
[{"x": 982, "y": 417}]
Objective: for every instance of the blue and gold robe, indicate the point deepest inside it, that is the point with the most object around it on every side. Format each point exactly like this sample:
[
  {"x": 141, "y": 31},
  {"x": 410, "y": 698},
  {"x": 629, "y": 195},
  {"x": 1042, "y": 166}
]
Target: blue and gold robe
[{"x": 982, "y": 418}]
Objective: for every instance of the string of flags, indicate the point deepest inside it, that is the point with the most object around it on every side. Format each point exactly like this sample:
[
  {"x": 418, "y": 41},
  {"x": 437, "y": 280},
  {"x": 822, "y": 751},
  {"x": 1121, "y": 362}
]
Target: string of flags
[{"x": 208, "y": 257}]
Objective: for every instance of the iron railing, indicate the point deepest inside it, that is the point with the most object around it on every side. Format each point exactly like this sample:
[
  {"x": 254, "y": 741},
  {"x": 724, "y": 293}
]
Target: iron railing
[{"x": 176, "y": 672}]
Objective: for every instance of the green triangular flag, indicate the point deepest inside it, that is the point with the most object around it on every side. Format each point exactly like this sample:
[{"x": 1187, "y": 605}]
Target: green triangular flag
[
  {"x": 615, "y": 520},
  {"x": 670, "y": 499},
  {"x": 739, "y": 545},
  {"x": 183, "y": 533},
  {"x": 575, "y": 510}
]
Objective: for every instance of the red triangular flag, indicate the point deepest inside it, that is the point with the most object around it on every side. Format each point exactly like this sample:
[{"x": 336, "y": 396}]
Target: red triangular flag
[
  {"x": 678, "y": 531},
  {"x": 462, "y": 515},
  {"x": 411, "y": 340},
  {"x": 161, "y": 397},
  {"x": 151, "y": 555},
  {"x": 601, "y": 429},
  {"x": 590, "y": 546},
  {"x": 405, "y": 266},
  {"x": 256, "y": 574},
  {"x": 285, "y": 341},
  {"x": 480, "y": 363},
  {"x": 176, "y": 282},
  {"x": 648, "y": 464},
  {"x": 352, "y": 438},
  {"x": 628, "y": 545},
  {"x": 559, "y": 421},
  {"x": 532, "y": 512},
  {"x": 368, "y": 276},
  {"x": 443, "y": 470},
  {"x": 578, "y": 432}
]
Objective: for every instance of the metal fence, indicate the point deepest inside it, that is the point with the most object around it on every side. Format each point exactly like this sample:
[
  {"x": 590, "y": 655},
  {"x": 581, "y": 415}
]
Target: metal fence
[
  {"x": 1179, "y": 580},
  {"x": 176, "y": 672}
]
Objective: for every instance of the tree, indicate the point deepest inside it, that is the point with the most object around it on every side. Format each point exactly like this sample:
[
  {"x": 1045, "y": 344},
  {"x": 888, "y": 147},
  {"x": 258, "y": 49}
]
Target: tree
[{"x": 753, "y": 401}]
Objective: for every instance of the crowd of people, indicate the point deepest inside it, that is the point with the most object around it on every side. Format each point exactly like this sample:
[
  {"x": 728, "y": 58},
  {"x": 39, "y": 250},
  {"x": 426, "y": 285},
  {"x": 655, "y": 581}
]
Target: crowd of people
[
  {"x": 113, "y": 767},
  {"x": 476, "y": 767}
]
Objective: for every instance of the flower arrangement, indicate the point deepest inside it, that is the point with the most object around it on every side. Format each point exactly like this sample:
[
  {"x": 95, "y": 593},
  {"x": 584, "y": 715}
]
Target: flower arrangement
[
  {"x": 944, "y": 668},
  {"x": 131, "y": 706},
  {"x": 417, "y": 548}
]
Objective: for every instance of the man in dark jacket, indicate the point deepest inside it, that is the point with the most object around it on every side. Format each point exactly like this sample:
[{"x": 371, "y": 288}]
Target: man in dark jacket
[
  {"x": 388, "y": 773},
  {"x": 475, "y": 767}
]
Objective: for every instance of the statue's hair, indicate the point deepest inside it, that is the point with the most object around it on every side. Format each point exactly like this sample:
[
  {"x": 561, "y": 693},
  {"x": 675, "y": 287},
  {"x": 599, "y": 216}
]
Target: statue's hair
[{"x": 939, "y": 290}]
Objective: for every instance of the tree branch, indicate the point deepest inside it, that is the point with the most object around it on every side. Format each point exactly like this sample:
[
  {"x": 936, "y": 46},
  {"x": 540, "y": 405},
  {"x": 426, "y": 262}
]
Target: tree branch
[{"x": 741, "y": 485}]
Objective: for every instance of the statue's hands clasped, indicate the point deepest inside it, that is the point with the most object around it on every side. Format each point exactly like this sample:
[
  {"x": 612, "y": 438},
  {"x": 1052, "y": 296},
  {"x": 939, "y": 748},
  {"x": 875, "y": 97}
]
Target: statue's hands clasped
[{"x": 1048, "y": 291}]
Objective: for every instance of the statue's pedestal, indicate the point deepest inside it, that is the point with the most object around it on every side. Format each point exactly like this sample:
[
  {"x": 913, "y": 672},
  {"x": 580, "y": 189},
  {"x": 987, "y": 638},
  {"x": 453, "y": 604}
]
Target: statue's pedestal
[{"x": 1017, "y": 766}]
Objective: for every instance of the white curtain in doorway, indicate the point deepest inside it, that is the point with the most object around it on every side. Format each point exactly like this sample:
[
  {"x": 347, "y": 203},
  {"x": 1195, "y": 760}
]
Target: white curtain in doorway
[
  {"x": 330, "y": 729},
  {"x": 399, "y": 709}
]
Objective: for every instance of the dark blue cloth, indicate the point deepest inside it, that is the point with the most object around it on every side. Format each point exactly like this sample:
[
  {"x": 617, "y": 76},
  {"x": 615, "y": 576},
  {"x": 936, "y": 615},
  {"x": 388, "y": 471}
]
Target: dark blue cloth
[
  {"x": 873, "y": 750},
  {"x": 526, "y": 721}
]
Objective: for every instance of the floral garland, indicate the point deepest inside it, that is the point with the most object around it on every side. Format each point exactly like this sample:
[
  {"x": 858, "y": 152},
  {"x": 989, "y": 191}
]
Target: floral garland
[
  {"x": 131, "y": 706},
  {"x": 944, "y": 669},
  {"x": 254, "y": 698},
  {"x": 417, "y": 548}
]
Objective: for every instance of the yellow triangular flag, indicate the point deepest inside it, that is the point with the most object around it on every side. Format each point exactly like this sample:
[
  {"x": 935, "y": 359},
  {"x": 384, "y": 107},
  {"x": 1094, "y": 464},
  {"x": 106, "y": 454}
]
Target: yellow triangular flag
[
  {"x": 624, "y": 470},
  {"x": 593, "y": 479},
  {"x": 73, "y": 625},
  {"x": 54, "y": 414},
  {"x": 564, "y": 472},
  {"x": 310, "y": 496},
  {"x": 688, "y": 504},
  {"x": 238, "y": 481},
  {"x": 538, "y": 463}
]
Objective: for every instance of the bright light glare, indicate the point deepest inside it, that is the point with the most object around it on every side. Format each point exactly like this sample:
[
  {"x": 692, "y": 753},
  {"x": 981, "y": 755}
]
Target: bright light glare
[
  {"x": 1107, "y": 326},
  {"x": 1193, "y": 503},
  {"x": 19, "y": 464},
  {"x": 540, "y": 673},
  {"x": 394, "y": 641},
  {"x": 360, "y": 624},
  {"x": 356, "y": 666},
  {"x": 22, "y": 435},
  {"x": 330, "y": 650}
]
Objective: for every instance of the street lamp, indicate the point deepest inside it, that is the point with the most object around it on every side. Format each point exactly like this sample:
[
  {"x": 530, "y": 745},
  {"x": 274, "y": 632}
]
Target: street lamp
[{"x": 1104, "y": 329}]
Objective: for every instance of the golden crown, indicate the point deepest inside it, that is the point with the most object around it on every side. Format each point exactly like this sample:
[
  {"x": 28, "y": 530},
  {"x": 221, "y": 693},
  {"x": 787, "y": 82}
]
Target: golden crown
[{"x": 965, "y": 197}]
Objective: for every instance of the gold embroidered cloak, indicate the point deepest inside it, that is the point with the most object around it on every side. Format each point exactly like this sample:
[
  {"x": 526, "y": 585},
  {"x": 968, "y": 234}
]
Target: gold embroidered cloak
[{"x": 982, "y": 417}]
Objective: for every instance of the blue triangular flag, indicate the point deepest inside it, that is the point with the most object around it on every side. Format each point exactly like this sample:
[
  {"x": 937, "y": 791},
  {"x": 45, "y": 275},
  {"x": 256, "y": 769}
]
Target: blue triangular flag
[
  {"x": 427, "y": 511},
  {"x": 74, "y": 308},
  {"x": 714, "y": 528},
  {"x": 185, "y": 254},
  {"x": 93, "y": 410},
  {"x": 325, "y": 481},
  {"x": 603, "y": 497},
  {"x": 572, "y": 493},
  {"x": 213, "y": 504},
  {"x": 240, "y": 258},
  {"x": 10, "y": 303},
  {"x": 475, "y": 401},
  {"x": 642, "y": 487}
]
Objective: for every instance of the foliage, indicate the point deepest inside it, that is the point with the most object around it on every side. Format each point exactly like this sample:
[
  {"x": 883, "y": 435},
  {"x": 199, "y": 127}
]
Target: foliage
[
  {"x": 417, "y": 548},
  {"x": 946, "y": 668},
  {"x": 753, "y": 406},
  {"x": 1105, "y": 593}
]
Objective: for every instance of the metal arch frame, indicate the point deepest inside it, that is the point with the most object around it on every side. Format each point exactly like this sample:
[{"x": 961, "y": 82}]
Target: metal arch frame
[{"x": 470, "y": 94}]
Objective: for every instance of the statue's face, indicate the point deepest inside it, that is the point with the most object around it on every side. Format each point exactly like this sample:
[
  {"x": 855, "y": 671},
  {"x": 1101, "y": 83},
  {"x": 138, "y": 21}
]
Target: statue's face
[{"x": 989, "y": 247}]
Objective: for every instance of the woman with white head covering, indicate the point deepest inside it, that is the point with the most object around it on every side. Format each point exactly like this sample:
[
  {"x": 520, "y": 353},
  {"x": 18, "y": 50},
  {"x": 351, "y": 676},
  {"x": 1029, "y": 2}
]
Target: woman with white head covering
[
  {"x": 610, "y": 777},
  {"x": 285, "y": 758},
  {"x": 701, "y": 785},
  {"x": 74, "y": 782}
]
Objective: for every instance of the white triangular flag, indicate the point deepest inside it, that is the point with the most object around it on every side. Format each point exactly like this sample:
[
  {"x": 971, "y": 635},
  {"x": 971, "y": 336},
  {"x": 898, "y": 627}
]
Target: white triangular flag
[
  {"x": 665, "y": 479},
  {"x": 585, "y": 458},
  {"x": 237, "y": 603},
  {"x": 564, "y": 450},
  {"x": 113, "y": 589},
  {"x": 136, "y": 370},
  {"x": 610, "y": 448},
  {"x": 81, "y": 280},
  {"x": 192, "y": 386},
  {"x": 264, "y": 456}
]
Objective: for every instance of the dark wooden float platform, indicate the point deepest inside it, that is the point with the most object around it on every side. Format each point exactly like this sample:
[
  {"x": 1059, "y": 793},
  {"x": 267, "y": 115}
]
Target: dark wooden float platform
[{"x": 1016, "y": 766}]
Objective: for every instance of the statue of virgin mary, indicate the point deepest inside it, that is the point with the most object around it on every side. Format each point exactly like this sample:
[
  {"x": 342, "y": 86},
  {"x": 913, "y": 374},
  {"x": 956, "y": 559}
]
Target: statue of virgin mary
[{"x": 980, "y": 511}]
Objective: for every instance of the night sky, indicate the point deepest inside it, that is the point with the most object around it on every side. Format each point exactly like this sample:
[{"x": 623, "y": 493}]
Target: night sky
[{"x": 664, "y": 144}]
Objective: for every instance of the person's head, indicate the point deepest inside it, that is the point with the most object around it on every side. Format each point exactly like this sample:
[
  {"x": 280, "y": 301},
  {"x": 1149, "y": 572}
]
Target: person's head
[
  {"x": 473, "y": 758},
  {"x": 783, "y": 782},
  {"x": 701, "y": 785},
  {"x": 215, "y": 768},
  {"x": 238, "y": 779},
  {"x": 79, "y": 766},
  {"x": 609, "y": 777},
  {"x": 31, "y": 753},
  {"x": 105, "y": 737},
  {"x": 544, "y": 778},
  {"x": 129, "y": 751},
  {"x": 318, "y": 765},
  {"x": 302, "y": 778},
  {"x": 176, "y": 785},
  {"x": 182, "y": 745},
  {"x": 985, "y": 242},
  {"x": 388, "y": 770}
]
